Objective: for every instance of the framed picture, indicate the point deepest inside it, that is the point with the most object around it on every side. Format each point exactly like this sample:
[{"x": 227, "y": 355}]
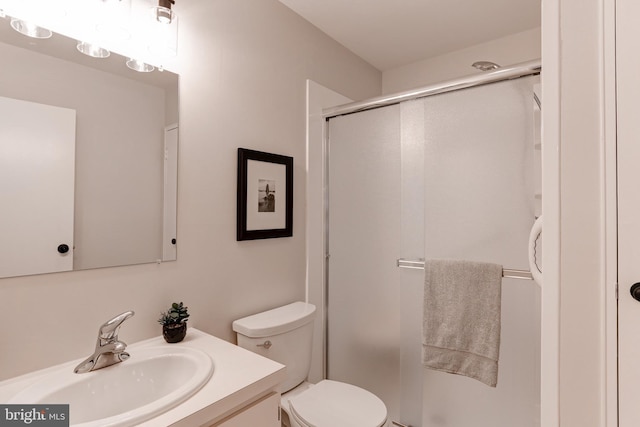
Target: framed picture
[{"x": 265, "y": 195}]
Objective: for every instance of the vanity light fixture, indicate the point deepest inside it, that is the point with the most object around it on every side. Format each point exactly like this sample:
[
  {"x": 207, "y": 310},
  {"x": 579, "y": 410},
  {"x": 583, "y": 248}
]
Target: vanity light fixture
[
  {"x": 143, "y": 29},
  {"x": 29, "y": 29},
  {"x": 33, "y": 18},
  {"x": 139, "y": 66},
  {"x": 162, "y": 30},
  {"x": 93, "y": 50},
  {"x": 114, "y": 19},
  {"x": 163, "y": 12}
]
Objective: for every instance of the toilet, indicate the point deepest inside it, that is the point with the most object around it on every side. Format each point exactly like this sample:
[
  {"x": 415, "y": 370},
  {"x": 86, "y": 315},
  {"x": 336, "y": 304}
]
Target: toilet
[{"x": 284, "y": 334}]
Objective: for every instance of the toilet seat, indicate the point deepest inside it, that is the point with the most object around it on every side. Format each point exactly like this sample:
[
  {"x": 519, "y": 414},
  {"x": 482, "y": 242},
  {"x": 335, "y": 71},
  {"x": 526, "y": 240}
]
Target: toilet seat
[{"x": 332, "y": 403}]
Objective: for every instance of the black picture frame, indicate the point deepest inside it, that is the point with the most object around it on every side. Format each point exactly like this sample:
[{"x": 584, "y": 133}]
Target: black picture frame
[{"x": 263, "y": 213}]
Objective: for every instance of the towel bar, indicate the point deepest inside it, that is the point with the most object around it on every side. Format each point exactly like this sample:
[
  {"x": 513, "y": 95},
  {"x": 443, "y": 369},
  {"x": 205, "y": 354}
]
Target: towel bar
[{"x": 507, "y": 273}]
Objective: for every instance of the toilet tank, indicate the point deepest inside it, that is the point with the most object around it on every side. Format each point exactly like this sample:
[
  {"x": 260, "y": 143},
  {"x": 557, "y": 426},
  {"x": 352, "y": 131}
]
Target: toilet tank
[{"x": 289, "y": 331}]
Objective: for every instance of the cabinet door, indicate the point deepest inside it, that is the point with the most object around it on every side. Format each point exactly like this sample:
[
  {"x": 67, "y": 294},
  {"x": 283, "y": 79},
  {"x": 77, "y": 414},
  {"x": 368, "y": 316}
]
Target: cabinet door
[{"x": 263, "y": 413}]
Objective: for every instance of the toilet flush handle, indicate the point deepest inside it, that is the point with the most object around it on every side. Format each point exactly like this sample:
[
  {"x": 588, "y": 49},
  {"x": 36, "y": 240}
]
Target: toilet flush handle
[{"x": 267, "y": 344}]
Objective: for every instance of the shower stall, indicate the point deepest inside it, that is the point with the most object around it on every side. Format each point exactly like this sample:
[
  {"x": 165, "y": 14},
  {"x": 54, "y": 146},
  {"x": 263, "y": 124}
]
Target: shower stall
[{"x": 450, "y": 171}]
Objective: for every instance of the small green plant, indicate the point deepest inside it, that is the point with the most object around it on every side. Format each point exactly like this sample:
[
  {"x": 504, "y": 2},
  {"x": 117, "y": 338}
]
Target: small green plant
[{"x": 176, "y": 315}]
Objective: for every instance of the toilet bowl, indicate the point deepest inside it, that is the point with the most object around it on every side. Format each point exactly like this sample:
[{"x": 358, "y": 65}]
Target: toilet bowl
[
  {"x": 334, "y": 403},
  {"x": 284, "y": 334}
]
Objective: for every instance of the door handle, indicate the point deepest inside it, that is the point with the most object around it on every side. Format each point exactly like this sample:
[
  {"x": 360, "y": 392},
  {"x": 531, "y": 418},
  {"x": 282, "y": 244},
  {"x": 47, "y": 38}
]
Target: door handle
[
  {"x": 63, "y": 248},
  {"x": 536, "y": 232},
  {"x": 635, "y": 291}
]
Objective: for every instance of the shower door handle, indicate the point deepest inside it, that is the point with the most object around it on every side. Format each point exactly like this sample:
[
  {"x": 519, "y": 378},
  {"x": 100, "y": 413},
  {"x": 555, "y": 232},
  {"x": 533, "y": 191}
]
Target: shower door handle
[{"x": 536, "y": 232}]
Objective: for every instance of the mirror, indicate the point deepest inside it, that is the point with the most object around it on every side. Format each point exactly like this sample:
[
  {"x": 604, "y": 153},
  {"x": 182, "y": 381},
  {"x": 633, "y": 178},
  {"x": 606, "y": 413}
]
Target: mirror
[{"x": 119, "y": 185}]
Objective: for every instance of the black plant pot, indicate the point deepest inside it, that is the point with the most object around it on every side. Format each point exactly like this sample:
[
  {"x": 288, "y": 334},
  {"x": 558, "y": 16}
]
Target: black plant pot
[{"x": 174, "y": 333}]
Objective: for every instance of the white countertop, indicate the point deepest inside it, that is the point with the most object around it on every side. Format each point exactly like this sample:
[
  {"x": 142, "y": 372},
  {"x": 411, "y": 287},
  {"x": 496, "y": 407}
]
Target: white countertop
[{"x": 239, "y": 377}]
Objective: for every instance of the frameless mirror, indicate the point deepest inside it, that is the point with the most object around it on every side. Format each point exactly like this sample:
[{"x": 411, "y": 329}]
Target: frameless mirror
[{"x": 88, "y": 159}]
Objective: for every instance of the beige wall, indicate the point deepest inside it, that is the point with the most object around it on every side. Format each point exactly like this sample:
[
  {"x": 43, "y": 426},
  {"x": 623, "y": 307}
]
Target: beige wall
[
  {"x": 519, "y": 47},
  {"x": 243, "y": 71}
]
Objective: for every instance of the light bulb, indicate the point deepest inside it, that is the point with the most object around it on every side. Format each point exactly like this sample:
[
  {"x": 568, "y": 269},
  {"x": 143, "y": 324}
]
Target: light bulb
[
  {"x": 139, "y": 66},
  {"x": 163, "y": 15},
  {"x": 163, "y": 32},
  {"x": 92, "y": 50},
  {"x": 30, "y": 30}
]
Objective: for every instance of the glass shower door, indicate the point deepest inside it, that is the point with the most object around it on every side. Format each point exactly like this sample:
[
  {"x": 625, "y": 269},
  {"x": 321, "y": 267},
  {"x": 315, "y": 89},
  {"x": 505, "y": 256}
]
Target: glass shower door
[
  {"x": 376, "y": 212},
  {"x": 480, "y": 201},
  {"x": 447, "y": 176},
  {"x": 364, "y": 238}
]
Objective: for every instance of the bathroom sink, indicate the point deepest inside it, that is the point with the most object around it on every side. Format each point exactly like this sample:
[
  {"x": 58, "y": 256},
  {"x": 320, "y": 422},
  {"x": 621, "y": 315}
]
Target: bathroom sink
[{"x": 152, "y": 381}]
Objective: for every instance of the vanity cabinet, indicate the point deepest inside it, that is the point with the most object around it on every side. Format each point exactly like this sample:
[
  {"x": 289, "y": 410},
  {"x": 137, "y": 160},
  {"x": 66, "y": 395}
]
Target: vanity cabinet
[
  {"x": 242, "y": 392},
  {"x": 264, "y": 412}
]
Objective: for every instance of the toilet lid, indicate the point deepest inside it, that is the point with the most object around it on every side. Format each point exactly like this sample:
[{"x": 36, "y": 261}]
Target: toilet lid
[{"x": 332, "y": 403}]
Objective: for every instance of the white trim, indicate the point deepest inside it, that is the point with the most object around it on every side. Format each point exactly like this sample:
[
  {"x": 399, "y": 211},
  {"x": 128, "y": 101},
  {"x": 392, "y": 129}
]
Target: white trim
[
  {"x": 170, "y": 193},
  {"x": 550, "y": 310},
  {"x": 609, "y": 374},
  {"x": 318, "y": 98}
]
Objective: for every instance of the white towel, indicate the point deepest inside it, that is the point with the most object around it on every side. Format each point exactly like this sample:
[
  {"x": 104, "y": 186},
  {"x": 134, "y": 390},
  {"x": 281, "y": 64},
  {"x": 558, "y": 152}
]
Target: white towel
[{"x": 461, "y": 319}]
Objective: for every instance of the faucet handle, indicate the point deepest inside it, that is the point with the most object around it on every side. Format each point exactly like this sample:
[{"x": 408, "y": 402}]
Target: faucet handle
[{"x": 109, "y": 330}]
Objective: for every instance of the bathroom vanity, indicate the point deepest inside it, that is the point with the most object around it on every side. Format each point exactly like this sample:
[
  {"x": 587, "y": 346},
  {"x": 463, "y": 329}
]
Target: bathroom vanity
[{"x": 241, "y": 391}]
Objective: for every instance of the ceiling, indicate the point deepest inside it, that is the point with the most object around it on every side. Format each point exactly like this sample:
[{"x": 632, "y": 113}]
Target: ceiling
[{"x": 391, "y": 33}]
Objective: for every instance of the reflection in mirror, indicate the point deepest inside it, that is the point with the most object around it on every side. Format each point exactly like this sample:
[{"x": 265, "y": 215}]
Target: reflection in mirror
[{"x": 88, "y": 143}]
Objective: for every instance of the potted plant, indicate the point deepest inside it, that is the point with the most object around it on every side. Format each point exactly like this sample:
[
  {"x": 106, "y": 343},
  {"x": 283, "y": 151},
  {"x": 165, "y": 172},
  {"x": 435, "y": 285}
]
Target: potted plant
[{"x": 174, "y": 323}]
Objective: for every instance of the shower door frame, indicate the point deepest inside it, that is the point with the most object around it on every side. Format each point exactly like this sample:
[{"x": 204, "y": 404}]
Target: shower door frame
[{"x": 524, "y": 69}]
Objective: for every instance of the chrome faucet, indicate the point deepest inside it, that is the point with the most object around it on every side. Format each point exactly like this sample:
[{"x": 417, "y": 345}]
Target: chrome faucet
[{"x": 109, "y": 350}]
